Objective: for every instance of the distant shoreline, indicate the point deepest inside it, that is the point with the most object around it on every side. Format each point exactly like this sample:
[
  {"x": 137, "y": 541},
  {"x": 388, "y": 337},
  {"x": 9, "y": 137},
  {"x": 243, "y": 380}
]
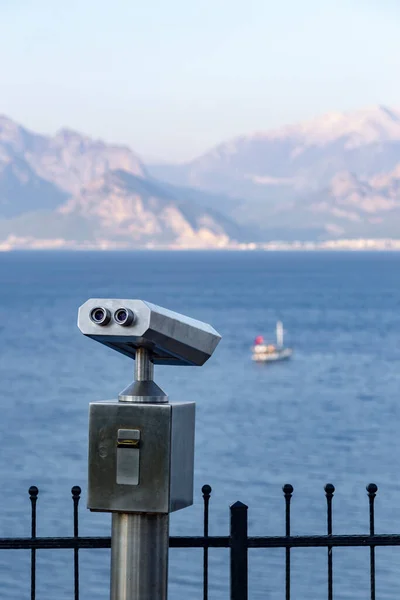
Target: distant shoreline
[{"x": 356, "y": 245}]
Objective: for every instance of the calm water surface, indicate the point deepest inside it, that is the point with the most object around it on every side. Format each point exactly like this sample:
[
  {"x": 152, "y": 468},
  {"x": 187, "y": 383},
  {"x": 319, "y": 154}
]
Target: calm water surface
[{"x": 332, "y": 413}]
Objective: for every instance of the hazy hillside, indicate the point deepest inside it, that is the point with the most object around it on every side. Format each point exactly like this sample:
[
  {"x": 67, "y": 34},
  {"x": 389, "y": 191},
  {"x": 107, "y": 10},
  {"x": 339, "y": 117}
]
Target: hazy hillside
[
  {"x": 339, "y": 172},
  {"x": 335, "y": 177},
  {"x": 72, "y": 191}
]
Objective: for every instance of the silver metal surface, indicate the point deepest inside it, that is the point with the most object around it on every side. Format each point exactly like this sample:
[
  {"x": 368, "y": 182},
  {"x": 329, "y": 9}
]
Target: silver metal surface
[
  {"x": 130, "y": 437},
  {"x": 144, "y": 367},
  {"x": 182, "y": 455},
  {"x": 146, "y": 392},
  {"x": 139, "y": 557},
  {"x": 144, "y": 389},
  {"x": 128, "y": 456},
  {"x": 172, "y": 338},
  {"x": 166, "y": 456}
]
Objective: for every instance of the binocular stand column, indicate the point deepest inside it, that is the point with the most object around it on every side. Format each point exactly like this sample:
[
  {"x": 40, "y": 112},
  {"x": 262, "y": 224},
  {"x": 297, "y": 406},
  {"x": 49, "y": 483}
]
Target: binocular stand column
[
  {"x": 139, "y": 541},
  {"x": 139, "y": 556},
  {"x": 141, "y": 447}
]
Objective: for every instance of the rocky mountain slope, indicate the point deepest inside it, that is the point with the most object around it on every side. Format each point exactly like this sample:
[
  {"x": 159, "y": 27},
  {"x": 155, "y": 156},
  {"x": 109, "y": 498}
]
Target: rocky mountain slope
[
  {"x": 337, "y": 175},
  {"x": 72, "y": 191}
]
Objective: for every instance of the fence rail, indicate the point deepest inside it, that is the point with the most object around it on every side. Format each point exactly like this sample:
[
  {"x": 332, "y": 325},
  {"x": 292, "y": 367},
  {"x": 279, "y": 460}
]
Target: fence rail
[{"x": 238, "y": 542}]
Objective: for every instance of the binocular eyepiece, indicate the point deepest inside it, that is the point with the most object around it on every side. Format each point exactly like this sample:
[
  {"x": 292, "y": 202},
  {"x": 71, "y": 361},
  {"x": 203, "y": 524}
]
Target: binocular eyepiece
[{"x": 102, "y": 316}]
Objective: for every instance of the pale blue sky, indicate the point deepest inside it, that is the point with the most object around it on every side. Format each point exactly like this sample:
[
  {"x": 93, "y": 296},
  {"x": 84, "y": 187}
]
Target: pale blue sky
[{"x": 172, "y": 78}]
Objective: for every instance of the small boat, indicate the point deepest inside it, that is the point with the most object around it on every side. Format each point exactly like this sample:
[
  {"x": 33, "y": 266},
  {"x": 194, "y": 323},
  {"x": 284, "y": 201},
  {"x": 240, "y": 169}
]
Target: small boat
[{"x": 263, "y": 352}]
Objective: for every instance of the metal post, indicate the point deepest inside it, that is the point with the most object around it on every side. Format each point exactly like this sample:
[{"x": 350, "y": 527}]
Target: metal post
[
  {"x": 239, "y": 552},
  {"x": 139, "y": 556},
  {"x": 139, "y": 542},
  {"x": 144, "y": 368}
]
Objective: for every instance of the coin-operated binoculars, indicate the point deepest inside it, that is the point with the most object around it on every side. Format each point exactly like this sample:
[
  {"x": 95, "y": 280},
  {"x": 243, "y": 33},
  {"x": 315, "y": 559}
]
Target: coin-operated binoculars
[{"x": 141, "y": 447}]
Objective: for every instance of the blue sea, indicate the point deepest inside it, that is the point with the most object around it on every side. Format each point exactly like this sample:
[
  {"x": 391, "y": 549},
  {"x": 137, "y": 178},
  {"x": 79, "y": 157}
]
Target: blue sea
[{"x": 330, "y": 414}]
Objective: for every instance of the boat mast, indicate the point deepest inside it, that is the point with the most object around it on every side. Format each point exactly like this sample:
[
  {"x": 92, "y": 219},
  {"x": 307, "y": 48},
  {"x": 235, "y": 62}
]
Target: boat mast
[{"x": 279, "y": 334}]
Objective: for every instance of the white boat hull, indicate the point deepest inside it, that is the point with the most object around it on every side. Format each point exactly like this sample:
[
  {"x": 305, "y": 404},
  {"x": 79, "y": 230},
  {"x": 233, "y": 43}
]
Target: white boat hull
[{"x": 274, "y": 356}]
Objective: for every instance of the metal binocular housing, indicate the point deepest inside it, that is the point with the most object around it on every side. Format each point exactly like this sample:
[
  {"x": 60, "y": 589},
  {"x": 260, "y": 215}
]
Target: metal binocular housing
[
  {"x": 141, "y": 447},
  {"x": 126, "y": 325}
]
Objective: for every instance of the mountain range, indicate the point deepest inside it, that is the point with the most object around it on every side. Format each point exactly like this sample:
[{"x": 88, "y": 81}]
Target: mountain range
[
  {"x": 334, "y": 177},
  {"x": 70, "y": 191}
]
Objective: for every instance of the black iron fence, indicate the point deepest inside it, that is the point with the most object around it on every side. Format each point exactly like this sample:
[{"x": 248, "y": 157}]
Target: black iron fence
[{"x": 238, "y": 542}]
